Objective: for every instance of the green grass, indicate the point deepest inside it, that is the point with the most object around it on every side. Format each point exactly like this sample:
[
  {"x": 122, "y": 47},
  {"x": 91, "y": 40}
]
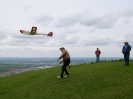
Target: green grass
[{"x": 105, "y": 80}]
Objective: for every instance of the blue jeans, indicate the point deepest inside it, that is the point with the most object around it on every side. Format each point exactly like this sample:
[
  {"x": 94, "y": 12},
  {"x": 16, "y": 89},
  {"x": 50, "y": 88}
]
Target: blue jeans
[
  {"x": 126, "y": 58},
  {"x": 97, "y": 58}
]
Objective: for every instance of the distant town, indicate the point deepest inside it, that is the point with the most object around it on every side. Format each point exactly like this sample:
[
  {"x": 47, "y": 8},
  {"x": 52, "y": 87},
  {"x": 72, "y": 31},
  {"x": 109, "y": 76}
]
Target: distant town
[{"x": 17, "y": 71}]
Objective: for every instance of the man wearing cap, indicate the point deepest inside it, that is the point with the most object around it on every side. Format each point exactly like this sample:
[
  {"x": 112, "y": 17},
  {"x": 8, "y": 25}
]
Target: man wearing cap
[
  {"x": 126, "y": 52},
  {"x": 66, "y": 61}
]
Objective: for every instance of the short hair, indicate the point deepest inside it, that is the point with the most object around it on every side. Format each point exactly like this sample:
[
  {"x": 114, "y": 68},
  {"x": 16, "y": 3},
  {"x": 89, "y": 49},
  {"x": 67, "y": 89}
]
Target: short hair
[
  {"x": 62, "y": 48},
  {"x": 125, "y": 42}
]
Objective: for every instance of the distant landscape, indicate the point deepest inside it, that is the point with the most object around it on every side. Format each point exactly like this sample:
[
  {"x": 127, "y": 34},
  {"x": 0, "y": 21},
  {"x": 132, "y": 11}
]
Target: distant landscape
[{"x": 9, "y": 66}]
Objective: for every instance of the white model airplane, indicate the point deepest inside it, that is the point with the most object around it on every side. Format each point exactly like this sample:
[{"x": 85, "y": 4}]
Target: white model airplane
[{"x": 33, "y": 32}]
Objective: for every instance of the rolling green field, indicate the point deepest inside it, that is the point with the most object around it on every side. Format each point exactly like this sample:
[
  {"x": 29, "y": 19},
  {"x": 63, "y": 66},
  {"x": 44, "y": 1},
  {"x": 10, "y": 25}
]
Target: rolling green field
[{"x": 104, "y": 80}]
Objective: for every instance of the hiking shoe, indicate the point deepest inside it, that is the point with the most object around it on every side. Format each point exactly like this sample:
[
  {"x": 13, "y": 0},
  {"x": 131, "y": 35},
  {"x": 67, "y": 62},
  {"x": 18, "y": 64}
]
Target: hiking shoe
[
  {"x": 67, "y": 75},
  {"x": 59, "y": 77}
]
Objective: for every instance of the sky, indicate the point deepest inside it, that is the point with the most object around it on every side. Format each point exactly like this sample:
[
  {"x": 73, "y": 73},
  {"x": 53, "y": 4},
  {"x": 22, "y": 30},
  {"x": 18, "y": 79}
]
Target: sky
[{"x": 80, "y": 26}]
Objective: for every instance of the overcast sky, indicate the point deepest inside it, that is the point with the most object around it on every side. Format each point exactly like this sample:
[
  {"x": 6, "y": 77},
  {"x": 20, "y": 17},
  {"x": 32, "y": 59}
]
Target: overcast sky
[{"x": 80, "y": 26}]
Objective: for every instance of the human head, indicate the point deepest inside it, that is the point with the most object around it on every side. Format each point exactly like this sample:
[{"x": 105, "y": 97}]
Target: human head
[
  {"x": 126, "y": 43},
  {"x": 97, "y": 48},
  {"x": 62, "y": 48}
]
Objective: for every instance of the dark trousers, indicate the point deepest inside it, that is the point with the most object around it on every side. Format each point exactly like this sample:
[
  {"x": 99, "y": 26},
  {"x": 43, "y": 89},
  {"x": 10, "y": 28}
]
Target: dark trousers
[
  {"x": 126, "y": 58},
  {"x": 65, "y": 64}
]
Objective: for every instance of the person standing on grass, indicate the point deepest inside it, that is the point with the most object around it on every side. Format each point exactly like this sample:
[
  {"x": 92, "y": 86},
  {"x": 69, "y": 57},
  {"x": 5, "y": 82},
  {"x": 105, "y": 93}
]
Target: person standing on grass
[
  {"x": 66, "y": 61},
  {"x": 97, "y": 52},
  {"x": 126, "y": 52}
]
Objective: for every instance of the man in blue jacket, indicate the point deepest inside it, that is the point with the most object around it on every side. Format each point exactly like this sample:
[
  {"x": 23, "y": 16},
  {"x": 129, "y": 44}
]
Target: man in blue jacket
[{"x": 126, "y": 52}]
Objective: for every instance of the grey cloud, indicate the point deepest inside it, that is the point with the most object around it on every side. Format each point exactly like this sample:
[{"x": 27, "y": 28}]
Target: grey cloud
[
  {"x": 67, "y": 21},
  {"x": 129, "y": 35},
  {"x": 27, "y": 42},
  {"x": 97, "y": 41},
  {"x": 44, "y": 19},
  {"x": 71, "y": 30},
  {"x": 73, "y": 40},
  {"x": 127, "y": 21},
  {"x": 67, "y": 36},
  {"x": 27, "y": 7},
  {"x": 129, "y": 38},
  {"x": 105, "y": 21},
  {"x": 3, "y": 33},
  {"x": 127, "y": 12}
]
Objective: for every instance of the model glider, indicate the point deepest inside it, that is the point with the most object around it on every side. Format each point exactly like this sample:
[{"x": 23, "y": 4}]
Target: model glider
[{"x": 34, "y": 32}]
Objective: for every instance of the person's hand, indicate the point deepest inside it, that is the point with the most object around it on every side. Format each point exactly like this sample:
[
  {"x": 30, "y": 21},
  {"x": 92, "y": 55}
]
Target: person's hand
[
  {"x": 61, "y": 62},
  {"x": 58, "y": 58}
]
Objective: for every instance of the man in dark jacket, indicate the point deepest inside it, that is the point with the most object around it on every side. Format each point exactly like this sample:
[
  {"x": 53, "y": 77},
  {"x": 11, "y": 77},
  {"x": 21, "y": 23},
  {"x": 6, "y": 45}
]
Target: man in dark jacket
[{"x": 126, "y": 52}]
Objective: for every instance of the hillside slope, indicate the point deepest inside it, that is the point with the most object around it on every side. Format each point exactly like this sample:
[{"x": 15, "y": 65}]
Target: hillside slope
[{"x": 105, "y": 80}]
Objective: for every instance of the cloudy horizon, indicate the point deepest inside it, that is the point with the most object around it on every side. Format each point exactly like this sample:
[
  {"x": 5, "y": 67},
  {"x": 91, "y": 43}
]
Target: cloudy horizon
[{"x": 80, "y": 26}]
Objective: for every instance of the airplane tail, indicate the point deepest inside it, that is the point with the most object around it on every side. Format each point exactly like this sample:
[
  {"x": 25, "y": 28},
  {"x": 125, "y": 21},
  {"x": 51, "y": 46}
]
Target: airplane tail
[{"x": 50, "y": 34}]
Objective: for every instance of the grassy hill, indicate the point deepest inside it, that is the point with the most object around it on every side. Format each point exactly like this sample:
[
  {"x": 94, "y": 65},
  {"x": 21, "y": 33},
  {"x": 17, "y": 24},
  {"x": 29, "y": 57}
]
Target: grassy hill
[{"x": 105, "y": 80}]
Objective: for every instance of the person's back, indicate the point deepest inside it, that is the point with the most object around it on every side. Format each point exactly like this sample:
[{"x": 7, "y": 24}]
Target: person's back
[
  {"x": 65, "y": 55},
  {"x": 97, "y": 52}
]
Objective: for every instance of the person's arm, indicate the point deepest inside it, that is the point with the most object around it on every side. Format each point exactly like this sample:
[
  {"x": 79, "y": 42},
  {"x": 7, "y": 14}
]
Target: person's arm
[
  {"x": 128, "y": 48},
  {"x": 100, "y": 52},
  {"x": 61, "y": 61},
  {"x": 63, "y": 53}
]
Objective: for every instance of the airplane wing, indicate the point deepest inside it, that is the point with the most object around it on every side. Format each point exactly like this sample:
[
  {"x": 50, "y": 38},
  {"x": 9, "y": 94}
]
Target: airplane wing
[
  {"x": 25, "y": 32},
  {"x": 34, "y": 32}
]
